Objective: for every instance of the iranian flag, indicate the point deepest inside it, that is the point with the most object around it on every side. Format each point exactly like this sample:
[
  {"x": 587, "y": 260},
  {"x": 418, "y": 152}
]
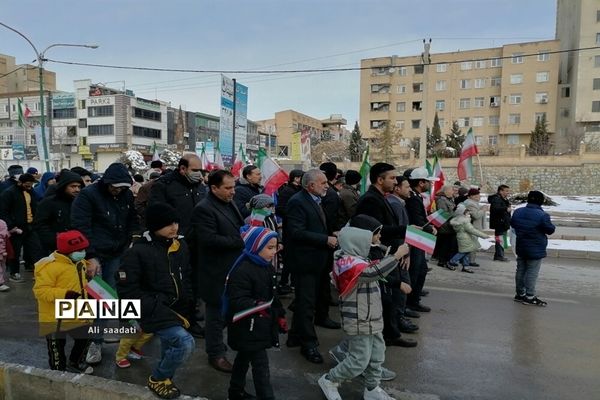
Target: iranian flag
[
  {"x": 155, "y": 156},
  {"x": 365, "y": 168},
  {"x": 207, "y": 165},
  {"x": 437, "y": 173},
  {"x": 420, "y": 239},
  {"x": 21, "y": 121},
  {"x": 239, "y": 163},
  {"x": 273, "y": 176},
  {"x": 218, "y": 164},
  {"x": 438, "y": 218},
  {"x": 258, "y": 216},
  {"x": 100, "y": 290},
  {"x": 465, "y": 162},
  {"x": 250, "y": 311}
]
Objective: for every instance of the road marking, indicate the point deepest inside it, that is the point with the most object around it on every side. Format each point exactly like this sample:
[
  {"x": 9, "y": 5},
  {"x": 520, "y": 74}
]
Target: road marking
[{"x": 554, "y": 300}]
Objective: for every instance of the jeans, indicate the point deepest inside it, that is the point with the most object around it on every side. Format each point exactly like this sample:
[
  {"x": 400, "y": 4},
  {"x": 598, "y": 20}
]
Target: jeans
[
  {"x": 462, "y": 258},
  {"x": 176, "y": 346},
  {"x": 366, "y": 354},
  {"x": 526, "y": 276},
  {"x": 418, "y": 273},
  {"x": 260, "y": 374},
  {"x": 215, "y": 348}
]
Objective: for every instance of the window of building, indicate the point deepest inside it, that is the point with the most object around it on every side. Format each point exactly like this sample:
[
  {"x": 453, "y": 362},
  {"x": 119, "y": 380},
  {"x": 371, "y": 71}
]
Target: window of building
[
  {"x": 419, "y": 69},
  {"x": 101, "y": 130},
  {"x": 596, "y": 84},
  {"x": 514, "y": 119},
  {"x": 479, "y": 102},
  {"x": 479, "y": 83},
  {"x": 494, "y": 101},
  {"x": 495, "y": 81},
  {"x": 541, "y": 97},
  {"x": 377, "y": 124},
  {"x": 542, "y": 76},
  {"x": 543, "y": 55},
  {"x": 515, "y": 98},
  {"x": 463, "y": 122},
  {"x": 399, "y": 124},
  {"x": 417, "y": 105},
  {"x": 380, "y": 71},
  {"x": 516, "y": 79},
  {"x": 596, "y": 61},
  {"x": 82, "y": 123},
  {"x": 477, "y": 121},
  {"x": 440, "y": 85},
  {"x": 538, "y": 116},
  {"x": 100, "y": 111},
  {"x": 564, "y": 112},
  {"x": 442, "y": 122},
  {"x": 595, "y": 106},
  {"x": 401, "y": 89},
  {"x": 440, "y": 105},
  {"x": 441, "y": 67},
  {"x": 143, "y": 131},
  {"x": 466, "y": 65},
  {"x": 598, "y": 16},
  {"x": 465, "y": 83},
  {"x": 588, "y": 128},
  {"x": 64, "y": 113},
  {"x": 464, "y": 103},
  {"x": 402, "y": 71},
  {"x": 415, "y": 123},
  {"x": 565, "y": 92},
  {"x": 495, "y": 62},
  {"x": 147, "y": 114},
  {"x": 478, "y": 140},
  {"x": 81, "y": 104},
  {"x": 401, "y": 106},
  {"x": 480, "y": 64},
  {"x": 493, "y": 140},
  {"x": 494, "y": 120},
  {"x": 417, "y": 87},
  {"x": 283, "y": 151},
  {"x": 517, "y": 58},
  {"x": 380, "y": 106},
  {"x": 380, "y": 88},
  {"x": 597, "y": 38},
  {"x": 14, "y": 108},
  {"x": 512, "y": 139}
]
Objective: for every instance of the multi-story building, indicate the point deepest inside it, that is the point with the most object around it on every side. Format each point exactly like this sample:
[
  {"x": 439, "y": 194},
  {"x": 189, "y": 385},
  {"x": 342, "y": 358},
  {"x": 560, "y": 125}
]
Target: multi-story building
[
  {"x": 499, "y": 92},
  {"x": 23, "y": 77},
  {"x": 181, "y": 128}
]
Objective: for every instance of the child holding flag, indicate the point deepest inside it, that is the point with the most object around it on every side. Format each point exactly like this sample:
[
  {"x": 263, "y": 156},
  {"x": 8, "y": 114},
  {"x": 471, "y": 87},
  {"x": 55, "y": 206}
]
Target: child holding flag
[
  {"x": 253, "y": 311},
  {"x": 61, "y": 275},
  {"x": 262, "y": 213},
  {"x": 466, "y": 235}
]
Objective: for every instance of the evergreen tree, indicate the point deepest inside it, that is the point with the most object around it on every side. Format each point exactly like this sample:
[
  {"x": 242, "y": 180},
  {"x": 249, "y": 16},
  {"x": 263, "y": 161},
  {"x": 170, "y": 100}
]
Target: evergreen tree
[
  {"x": 540, "y": 139},
  {"x": 434, "y": 138},
  {"x": 385, "y": 140},
  {"x": 455, "y": 138},
  {"x": 357, "y": 144}
]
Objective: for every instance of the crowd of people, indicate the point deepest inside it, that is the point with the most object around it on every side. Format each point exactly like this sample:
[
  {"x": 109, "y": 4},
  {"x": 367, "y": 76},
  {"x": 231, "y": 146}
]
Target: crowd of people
[{"x": 195, "y": 246}]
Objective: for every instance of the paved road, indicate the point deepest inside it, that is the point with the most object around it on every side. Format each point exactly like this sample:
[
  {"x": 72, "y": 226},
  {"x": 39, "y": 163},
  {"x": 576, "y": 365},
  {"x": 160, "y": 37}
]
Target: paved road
[{"x": 476, "y": 344}]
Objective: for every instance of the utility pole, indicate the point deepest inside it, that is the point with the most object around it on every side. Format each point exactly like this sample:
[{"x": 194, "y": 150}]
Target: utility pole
[
  {"x": 426, "y": 60},
  {"x": 233, "y": 134}
]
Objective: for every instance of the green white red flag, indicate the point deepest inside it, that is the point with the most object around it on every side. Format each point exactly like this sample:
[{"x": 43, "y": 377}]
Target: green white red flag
[
  {"x": 420, "y": 239},
  {"x": 252, "y": 310},
  {"x": 465, "y": 162},
  {"x": 365, "y": 168},
  {"x": 438, "y": 218},
  {"x": 239, "y": 163},
  {"x": 100, "y": 290},
  {"x": 273, "y": 176}
]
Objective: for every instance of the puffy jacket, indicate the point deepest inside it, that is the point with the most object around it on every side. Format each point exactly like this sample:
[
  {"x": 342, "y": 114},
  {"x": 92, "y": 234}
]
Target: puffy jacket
[
  {"x": 466, "y": 235},
  {"x": 348, "y": 201},
  {"x": 157, "y": 271},
  {"x": 477, "y": 213},
  {"x": 55, "y": 275},
  {"x": 499, "y": 214},
  {"x": 249, "y": 284},
  {"x": 244, "y": 191},
  {"x": 417, "y": 215},
  {"x": 361, "y": 308},
  {"x": 532, "y": 225},
  {"x": 13, "y": 209}
]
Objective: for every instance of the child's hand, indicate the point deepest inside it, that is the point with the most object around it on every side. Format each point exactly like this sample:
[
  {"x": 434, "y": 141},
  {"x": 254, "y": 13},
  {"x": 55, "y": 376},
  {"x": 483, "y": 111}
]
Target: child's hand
[
  {"x": 405, "y": 288},
  {"x": 282, "y": 323},
  {"x": 401, "y": 252},
  {"x": 71, "y": 294}
]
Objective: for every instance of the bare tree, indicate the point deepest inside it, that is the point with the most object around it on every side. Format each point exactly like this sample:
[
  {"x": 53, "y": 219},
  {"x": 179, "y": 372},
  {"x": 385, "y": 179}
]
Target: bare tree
[{"x": 384, "y": 142}]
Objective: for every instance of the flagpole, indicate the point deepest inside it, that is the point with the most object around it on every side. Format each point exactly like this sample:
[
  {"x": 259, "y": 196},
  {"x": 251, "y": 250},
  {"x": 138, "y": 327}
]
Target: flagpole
[{"x": 480, "y": 172}]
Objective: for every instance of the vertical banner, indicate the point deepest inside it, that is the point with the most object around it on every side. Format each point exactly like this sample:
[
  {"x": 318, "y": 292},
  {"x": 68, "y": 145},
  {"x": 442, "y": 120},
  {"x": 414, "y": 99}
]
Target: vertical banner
[
  {"x": 241, "y": 116},
  {"x": 198, "y": 148},
  {"x": 18, "y": 151},
  {"x": 305, "y": 140},
  {"x": 226, "y": 120},
  {"x": 210, "y": 151},
  {"x": 39, "y": 143},
  {"x": 296, "y": 146}
]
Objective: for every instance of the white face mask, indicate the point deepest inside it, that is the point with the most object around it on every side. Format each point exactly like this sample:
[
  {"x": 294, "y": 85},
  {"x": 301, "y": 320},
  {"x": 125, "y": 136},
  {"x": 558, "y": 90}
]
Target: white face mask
[
  {"x": 77, "y": 256},
  {"x": 194, "y": 176}
]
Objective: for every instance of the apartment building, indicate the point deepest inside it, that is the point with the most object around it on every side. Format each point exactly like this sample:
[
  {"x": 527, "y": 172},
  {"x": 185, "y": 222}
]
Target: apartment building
[
  {"x": 499, "y": 92},
  {"x": 22, "y": 77}
]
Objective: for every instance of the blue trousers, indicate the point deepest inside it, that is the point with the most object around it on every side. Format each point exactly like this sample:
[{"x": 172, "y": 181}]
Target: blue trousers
[{"x": 176, "y": 346}]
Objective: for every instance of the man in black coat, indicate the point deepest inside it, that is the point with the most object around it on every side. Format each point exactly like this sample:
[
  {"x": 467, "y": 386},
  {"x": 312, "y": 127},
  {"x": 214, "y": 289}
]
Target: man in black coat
[
  {"x": 17, "y": 208},
  {"x": 216, "y": 222},
  {"x": 308, "y": 250},
  {"x": 247, "y": 187},
  {"x": 54, "y": 213},
  {"x": 500, "y": 218},
  {"x": 14, "y": 171}
]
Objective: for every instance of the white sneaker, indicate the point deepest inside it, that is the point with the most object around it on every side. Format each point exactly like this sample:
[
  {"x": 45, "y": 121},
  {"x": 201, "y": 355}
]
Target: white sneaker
[
  {"x": 376, "y": 394},
  {"x": 16, "y": 278},
  {"x": 94, "y": 354},
  {"x": 4, "y": 288},
  {"x": 329, "y": 388}
]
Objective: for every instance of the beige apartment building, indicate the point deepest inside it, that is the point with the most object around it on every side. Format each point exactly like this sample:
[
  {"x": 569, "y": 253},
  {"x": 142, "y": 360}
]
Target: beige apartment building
[
  {"x": 22, "y": 77},
  {"x": 499, "y": 92}
]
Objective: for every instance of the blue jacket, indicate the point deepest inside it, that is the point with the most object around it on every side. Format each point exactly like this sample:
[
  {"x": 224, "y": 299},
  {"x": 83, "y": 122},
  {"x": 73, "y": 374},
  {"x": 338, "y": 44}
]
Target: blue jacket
[{"x": 532, "y": 225}]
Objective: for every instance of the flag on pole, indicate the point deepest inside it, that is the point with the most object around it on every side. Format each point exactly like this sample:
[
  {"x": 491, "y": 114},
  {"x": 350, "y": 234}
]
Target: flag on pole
[
  {"x": 439, "y": 218},
  {"x": 155, "y": 155},
  {"x": 505, "y": 241},
  {"x": 21, "y": 121},
  {"x": 27, "y": 113},
  {"x": 273, "y": 176},
  {"x": 207, "y": 165},
  {"x": 465, "y": 162},
  {"x": 429, "y": 196},
  {"x": 252, "y": 310},
  {"x": 420, "y": 239},
  {"x": 258, "y": 216},
  {"x": 365, "y": 168},
  {"x": 100, "y": 290},
  {"x": 239, "y": 163},
  {"x": 218, "y": 164}
]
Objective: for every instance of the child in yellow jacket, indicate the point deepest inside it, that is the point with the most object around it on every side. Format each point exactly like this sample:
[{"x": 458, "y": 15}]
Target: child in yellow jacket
[{"x": 61, "y": 275}]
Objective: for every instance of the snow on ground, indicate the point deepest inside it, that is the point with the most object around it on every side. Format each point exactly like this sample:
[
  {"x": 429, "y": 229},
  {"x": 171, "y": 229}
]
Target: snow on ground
[
  {"x": 570, "y": 204},
  {"x": 582, "y": 245}
]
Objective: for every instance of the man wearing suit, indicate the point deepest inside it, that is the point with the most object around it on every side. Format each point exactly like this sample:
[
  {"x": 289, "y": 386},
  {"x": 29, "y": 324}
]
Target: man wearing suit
[
  {"x": 216, "y": 222},
  {"x": 309, "y": 245}
]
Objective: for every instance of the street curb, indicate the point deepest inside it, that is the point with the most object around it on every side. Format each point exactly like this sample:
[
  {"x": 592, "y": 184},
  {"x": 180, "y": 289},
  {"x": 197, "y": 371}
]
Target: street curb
[{"x": 21, "y": 382}]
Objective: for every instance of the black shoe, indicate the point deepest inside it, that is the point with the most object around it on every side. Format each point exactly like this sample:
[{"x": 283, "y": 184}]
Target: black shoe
[
  {"x": 196, "y": 331},
  {"x": 401, "y": 342},
  {"x": 240, "y": 396},
  {"x": 534, "y": 301},
  {"x": 407, "y": 326},
  {"x": 419, "y": 307},
  {"x": 328, "y": 323},
  {"x": 411, "y": 313},
  {"x": 519, "y": 298},
  {"x": 312, "y": 355},
  {"x": 473, "y": 264},
  {"x": 292, "y": 341},
  {"x": 467, "y": 270},
  {"x": 284, "y": 290},
  {"x": 424, "y": 293},
  {"x": 500, "y": 259}
]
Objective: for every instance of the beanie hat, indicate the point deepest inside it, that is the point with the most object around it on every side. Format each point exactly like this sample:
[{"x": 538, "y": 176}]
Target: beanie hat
[
  {"x": 32, "y": 170},
  {"x": 473, "y": 192},
  {"x": 70, "y": 241},
  {"x": 261, "y": 201},
  {"x": 536, "y": 197},
  {"x": 160, "y": 215},
  {"x": 81, "y": 171},
  {"x": 363, "y": 221},
  {"x": 24, "y": 178},
  {"x": 14, "y": 170},
  {"x": 67, "y": 177},
  {"x": 156, "y": 164},
  {"x": 329, "y": 169},
  {"x": 352, "y": 177},
  {"x": 256, "y": 238}
]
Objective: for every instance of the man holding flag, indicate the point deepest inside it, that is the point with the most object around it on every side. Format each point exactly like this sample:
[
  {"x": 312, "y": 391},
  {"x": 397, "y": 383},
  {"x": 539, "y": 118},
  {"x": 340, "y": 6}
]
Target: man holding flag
[{"x": 500, "y": 219}]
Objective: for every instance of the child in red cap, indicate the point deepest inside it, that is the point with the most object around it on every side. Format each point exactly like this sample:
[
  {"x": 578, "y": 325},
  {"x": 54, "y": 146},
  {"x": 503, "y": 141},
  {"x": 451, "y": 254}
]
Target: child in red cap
[{"x": 61, "y": 275}]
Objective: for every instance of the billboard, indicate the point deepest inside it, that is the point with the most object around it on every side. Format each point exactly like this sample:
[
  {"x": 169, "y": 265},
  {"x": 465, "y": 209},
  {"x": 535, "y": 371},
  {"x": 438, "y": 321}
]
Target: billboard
[
  {"x": 241, "y": 117},
  {"x": 226, "y": 120},
  {"x": 296, "y": 147}
]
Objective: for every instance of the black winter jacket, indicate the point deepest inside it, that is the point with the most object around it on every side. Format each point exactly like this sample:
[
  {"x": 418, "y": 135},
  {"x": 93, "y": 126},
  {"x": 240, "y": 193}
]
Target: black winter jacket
[
  {"x": 284, "y": 194},
  {"x": 157, "y": 271},
  {"x": 499, "y": 214},
  {"x": 417, "y": 215},
  {"x": 13, "y": 209},
  {"x": 244, "y": 191},
  {"x": 331, "y": 203},
  {"x": 248, "y": 284}
]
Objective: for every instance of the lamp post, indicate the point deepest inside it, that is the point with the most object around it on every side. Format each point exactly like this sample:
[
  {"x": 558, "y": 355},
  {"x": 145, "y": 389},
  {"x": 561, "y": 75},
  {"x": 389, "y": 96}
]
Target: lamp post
[{"x": 40, "y": 59}]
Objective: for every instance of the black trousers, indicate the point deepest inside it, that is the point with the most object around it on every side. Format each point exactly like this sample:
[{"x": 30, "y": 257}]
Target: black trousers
[
  {"x": 260, "y": 374},
  {"x": 324, "y": 291},
  {"x": 418, "y": 273},
  {"x": 28, "y": 242},
  {"x": 303, "y": 328},
  {"x": 499, "y": 249},
  {"x": 56, "y": 343},
  {"x": 390, "y": 300}
]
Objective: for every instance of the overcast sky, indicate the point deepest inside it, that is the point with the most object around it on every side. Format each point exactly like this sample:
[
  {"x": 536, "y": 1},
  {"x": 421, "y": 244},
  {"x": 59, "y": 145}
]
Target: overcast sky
[{"x": 251, "y": 34}]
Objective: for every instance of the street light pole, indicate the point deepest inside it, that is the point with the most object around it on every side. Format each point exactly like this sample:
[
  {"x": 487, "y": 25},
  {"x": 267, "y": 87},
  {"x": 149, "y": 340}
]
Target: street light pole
[
  {"x": 40, "y": 59},
  {"x": 426, "y": 60}
]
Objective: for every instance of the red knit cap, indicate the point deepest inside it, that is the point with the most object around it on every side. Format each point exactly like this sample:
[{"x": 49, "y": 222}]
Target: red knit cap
[{"x": 70, "y": 241}]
